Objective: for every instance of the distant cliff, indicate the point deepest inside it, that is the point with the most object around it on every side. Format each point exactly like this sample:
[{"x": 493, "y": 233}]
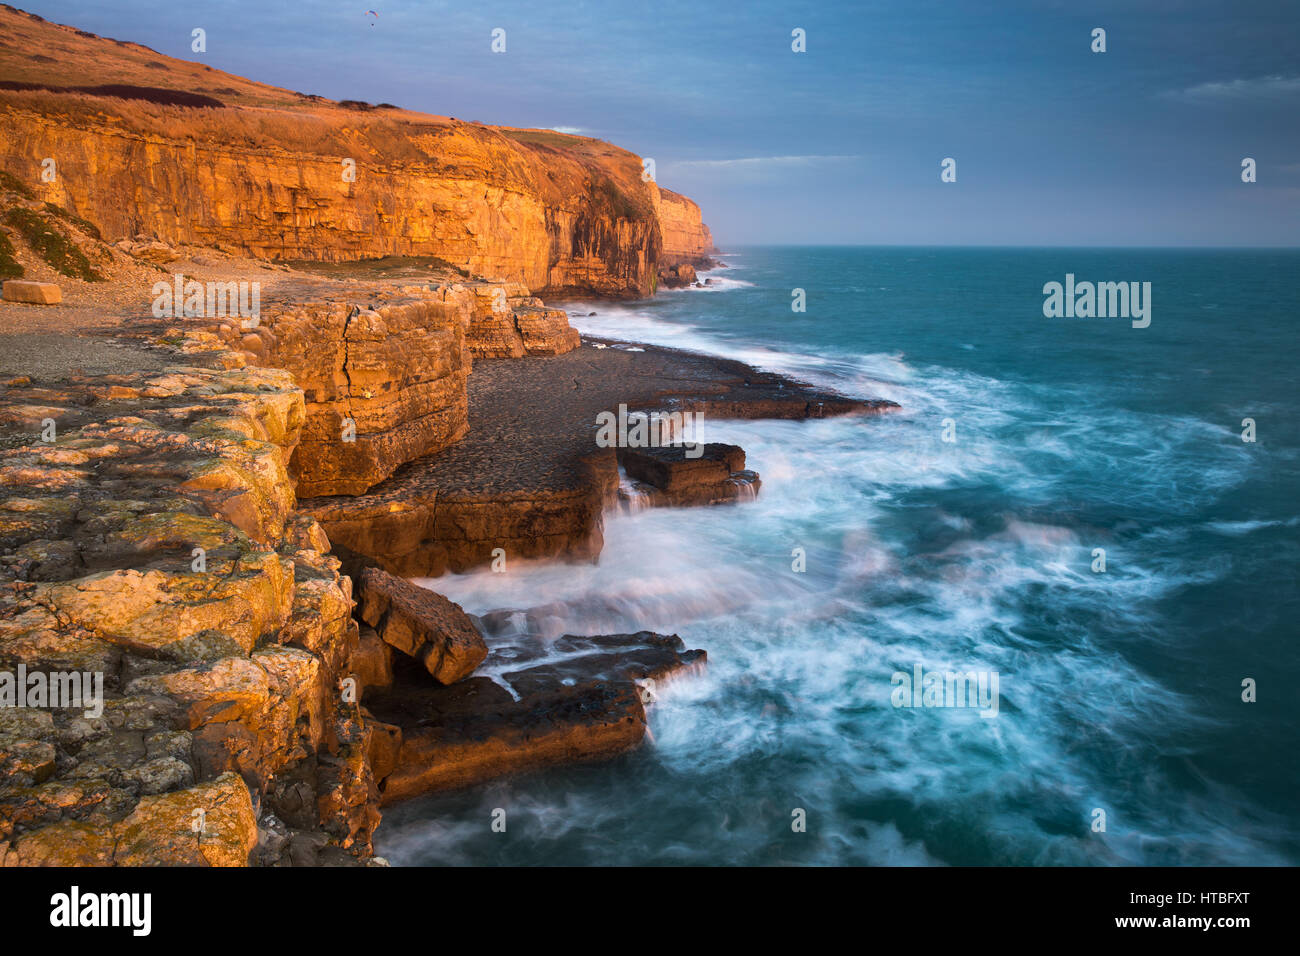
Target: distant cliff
[
  {"x": 685, "y": 236},
  {"x": 284, "y": 175}
]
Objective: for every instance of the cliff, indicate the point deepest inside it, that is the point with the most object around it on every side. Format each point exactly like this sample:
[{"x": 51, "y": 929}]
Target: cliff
[
  {"x": 387, "y": 384},
  {"x": 276, "y": 174},
  {"x": 686, "y": 239}
]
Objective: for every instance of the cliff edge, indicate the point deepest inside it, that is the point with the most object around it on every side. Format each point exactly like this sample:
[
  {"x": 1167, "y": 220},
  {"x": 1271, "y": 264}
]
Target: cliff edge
[{"x": 137, "y": 142}]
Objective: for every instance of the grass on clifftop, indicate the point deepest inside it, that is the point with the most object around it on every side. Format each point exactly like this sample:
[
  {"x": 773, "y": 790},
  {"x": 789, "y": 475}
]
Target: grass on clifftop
[
  {"x": 55, "y": 248},
  {"x": 544, "y": 137}
]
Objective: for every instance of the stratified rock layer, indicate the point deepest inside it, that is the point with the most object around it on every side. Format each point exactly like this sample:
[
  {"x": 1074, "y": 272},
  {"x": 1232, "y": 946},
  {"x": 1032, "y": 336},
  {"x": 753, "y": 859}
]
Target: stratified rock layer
[
  {"x": 509, "y": 322},
  {"x": 686, "y": 239},
  {"x": 385, "y": 384},
  {"x": 150, "y": 538},
  {"x": 675, "y": 478},
  {"x": 530, "y": 480},
  {"x": 381, "y": 386},
  {"x": 280, "y": 175},
  {"x": 574, "y": 699}
]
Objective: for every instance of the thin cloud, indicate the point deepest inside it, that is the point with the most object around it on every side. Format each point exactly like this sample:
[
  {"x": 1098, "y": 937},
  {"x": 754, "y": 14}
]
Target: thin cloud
[
  {"x": 1235, "y": 91},
  {"x": 757, "y": 162},
  {"x": 570, "y": 130},
  {"x": 765, "y": 160}
]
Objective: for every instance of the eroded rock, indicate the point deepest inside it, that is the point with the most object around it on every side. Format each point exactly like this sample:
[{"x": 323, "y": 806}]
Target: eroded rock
[
  {"x": 210, "y": 824},
  {"x": 475, "y": 731},
  {"x": 422, "y": 625},
  {"x": 154, "y": 543}
]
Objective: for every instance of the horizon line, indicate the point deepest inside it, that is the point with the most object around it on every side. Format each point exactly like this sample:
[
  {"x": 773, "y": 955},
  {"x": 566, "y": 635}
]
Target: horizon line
[{"x": 932, "y": 245}]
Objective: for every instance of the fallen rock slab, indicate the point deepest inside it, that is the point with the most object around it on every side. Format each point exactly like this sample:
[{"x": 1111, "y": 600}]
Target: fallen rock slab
[
  {"x": 476, "y": 731},
  {"x": 33, "y": 293},
  {"x": 421, "y": 624},
  {"x": 539, "y": 703},
  {"x": 530, "y": 663}
]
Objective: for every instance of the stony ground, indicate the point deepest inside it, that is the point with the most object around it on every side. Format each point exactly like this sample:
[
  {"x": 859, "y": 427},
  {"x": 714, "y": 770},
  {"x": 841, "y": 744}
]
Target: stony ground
[{"x": 96, "y": 329}]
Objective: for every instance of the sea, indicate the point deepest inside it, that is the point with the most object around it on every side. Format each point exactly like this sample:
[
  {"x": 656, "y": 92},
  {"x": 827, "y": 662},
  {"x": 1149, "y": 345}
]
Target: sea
[{"x": 1094, "y": 525}]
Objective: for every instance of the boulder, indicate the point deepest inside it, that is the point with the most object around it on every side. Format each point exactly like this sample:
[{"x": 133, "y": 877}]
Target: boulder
[
  {"x": 422, "y": 625},
  {"x": 677, "y": 277},
  {"x": 509, "y": 322},
  {"x": 545, "y": 331},
  {"x": 34, "y": 293},
  {"x": 149, "y": 249}
]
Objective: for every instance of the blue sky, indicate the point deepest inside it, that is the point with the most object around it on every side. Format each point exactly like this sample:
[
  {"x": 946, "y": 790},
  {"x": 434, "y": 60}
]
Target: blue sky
[{"x": 1055, "y": 144}]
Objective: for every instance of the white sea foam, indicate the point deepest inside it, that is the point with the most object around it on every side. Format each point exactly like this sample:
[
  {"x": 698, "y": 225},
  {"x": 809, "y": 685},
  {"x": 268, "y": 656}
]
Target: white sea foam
[
  {"x": 716, "y": 283},
  {"x": 801, "y": 663}
]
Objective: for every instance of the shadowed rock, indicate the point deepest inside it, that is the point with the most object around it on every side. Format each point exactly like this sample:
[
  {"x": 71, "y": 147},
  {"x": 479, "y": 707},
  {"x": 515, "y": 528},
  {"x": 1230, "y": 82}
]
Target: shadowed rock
[{"x": 475, "y": 731}]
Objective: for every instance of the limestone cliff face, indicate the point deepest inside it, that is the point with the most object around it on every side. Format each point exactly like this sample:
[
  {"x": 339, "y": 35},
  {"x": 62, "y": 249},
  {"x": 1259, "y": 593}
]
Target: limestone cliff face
[
  {"x": 686, "y": 239},
  {"x": 282, "y": 175},
  {"x": 385, "y": 385},
  {"x": 479, "y": 200}
]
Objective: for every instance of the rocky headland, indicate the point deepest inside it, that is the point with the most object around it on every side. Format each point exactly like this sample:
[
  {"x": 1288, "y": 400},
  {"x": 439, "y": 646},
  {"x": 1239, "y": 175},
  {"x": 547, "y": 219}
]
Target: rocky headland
[{"x": 218, "y": 514}]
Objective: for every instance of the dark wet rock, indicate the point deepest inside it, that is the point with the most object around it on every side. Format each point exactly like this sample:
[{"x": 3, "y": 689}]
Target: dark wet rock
[
  {"x": 504, "y": 621},
  {"x": 640, "y": 656},
  {"x": 475, "y": 731},
  {"x": 670, "y": 476},
  {"x": 553, "y": 702}
]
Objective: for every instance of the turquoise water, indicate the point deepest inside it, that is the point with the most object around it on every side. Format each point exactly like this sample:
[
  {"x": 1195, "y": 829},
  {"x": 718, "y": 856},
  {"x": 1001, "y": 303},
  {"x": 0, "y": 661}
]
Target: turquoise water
[{"x": 1119, "y": 691}]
